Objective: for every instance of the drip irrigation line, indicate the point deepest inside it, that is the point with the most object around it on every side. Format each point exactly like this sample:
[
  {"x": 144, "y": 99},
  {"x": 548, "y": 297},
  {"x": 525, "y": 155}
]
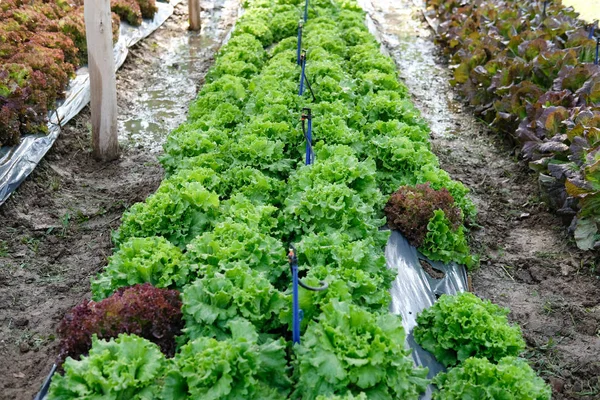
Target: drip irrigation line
[
  {"x": 309, "y": 87},
  {"x": 597, "y": 48},
  {"x": 304, "y": 77},
  {"x": 46, "y": 385},
  {"x": 299, "y": 43},
  {"x": 306, "y": 11},
  {"x": 307, "y": 116},
  {"x": 303, "y": 67},
  {"x": 324, "y": 286},
  {"x": 593, "y": 26},
  {"x": 296, "y": 312},
  {"x": 296, "y": 317}
]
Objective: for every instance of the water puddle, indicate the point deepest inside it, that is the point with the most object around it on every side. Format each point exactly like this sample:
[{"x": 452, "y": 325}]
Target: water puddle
[{"x": 161, "y": 75}]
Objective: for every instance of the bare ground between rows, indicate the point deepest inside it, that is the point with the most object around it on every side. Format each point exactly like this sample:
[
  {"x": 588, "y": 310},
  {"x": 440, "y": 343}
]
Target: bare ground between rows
[
  {"x": 55, "y": 229},
  {"x": 529, "y": 262}
]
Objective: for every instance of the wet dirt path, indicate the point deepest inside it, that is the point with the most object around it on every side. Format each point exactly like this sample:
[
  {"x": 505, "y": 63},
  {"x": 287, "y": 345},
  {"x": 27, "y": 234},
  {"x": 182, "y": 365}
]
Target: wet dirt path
[
  {"x": 529, "y": 263},
  {"x": 55, "y": 229},
  {"x": 164, "y": 75}
]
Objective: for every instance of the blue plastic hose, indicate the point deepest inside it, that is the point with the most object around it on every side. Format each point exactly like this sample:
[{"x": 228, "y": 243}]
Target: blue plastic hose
[
  {"x": 592, "y": 28},
  {"x": 309, "y": 155},
  {"x": 299, "y": 42},
  {"x": 295, "y": 300},
  {"x": 306, "y": 11},
  {"x": 303, "y": 65},
  {"x": 296, "y": 282}
]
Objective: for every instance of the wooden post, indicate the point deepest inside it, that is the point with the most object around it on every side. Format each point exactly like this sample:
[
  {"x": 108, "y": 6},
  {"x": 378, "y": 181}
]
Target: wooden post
[
  {"x": 103, "y": 83},
  {"x": 194, "y": 11}
]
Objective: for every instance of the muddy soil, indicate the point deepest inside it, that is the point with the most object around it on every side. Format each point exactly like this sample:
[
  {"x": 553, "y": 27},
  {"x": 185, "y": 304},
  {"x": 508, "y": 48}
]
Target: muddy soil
[
  {"x": 529, "y": 262},
  {"x": 55, "y": 229}
]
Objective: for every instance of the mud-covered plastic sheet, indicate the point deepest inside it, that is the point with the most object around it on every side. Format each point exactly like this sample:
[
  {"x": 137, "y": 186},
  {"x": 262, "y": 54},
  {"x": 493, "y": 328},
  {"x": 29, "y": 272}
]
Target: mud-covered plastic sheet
[
  {"x": 415, "y": 290},
  {"x": 17, "y": 162}
]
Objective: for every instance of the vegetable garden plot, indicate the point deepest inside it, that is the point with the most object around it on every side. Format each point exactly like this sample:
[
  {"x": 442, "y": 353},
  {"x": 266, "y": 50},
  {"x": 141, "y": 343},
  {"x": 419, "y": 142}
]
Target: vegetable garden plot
[
  {"x": 17, "y": 161},
  {"x": 238, "y": 192},
  {"x": 534, "y": 76}
]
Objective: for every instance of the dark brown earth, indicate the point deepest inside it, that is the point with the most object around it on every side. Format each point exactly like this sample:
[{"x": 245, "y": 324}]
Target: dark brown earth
[
  {"x": 529, "y": 261},
  {"x": 55, "y": 234},
  {"x": 55, "y": 230}
]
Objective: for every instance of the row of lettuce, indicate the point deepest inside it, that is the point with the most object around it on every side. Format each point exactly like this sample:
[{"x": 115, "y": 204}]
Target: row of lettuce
[
  {"x": 195, "y": 302},
  {"x": 41, "y": 44},
  {"x": 532, "y": 76}
]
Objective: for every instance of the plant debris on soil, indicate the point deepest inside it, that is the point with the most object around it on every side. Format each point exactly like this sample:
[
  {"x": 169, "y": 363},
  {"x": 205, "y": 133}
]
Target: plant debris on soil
[
  {"x": 55, "y": 229},
  {"x": 529, "y": 263}
]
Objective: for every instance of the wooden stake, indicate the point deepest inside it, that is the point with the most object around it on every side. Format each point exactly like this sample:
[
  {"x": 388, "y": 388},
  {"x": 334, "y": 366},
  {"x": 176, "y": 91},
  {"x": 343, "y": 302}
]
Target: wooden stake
[
  {"x": 194, "y": 12},
  {"x": 103, "y": 83}
]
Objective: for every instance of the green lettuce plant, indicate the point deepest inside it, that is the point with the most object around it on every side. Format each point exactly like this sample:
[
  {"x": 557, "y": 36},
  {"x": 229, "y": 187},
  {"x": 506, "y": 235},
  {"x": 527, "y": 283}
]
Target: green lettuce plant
[
  {"x": 478, "y": 378},
  {"x": 230, "y": 243},
  {"x": 178, "y": 216},
  {"x": 240, "y": 292},
  {"x": 238, "y": 368},
  {"x": 460, "y": 326},
  {"x": 446, "y": 242},
  {"x": 128, "y": 367},
  {"x": 351, "y": 350},
  {"x": 151, "y": 260}
]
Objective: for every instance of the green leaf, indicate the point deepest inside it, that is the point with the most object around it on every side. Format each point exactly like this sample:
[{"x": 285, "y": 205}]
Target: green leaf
[
  {"x": 126, "y": 367},
  {"x": 347, "y": 350},
  {"x": 151, "y": 260},
  {"x": 585, "y": 233},
  {"x": 462, "y": 326},
  {"x": 234, "y": 368},
  {"x": 478, "y": 378}
]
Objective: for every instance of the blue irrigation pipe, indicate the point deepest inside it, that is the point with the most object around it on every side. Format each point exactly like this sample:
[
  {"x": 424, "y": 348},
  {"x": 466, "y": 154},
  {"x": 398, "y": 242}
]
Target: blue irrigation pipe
[
  {"x": 303, "y": 65},
  {"x": 306, "y": 11},
  {"x": 307, "y": 116},
  {"x": 296, "y": 282},
  {"x": 295, "y": 300},
  {"x": 597, "y": 46},
  {"x": 299, "y": 50},
  {"x": 592, "y": 28}
]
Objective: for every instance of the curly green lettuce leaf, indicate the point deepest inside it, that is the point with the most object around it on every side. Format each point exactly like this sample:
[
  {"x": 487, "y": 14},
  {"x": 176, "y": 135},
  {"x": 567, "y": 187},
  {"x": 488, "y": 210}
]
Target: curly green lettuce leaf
[
  {"x": 337, "y": 250},
  {"x": 462, "y": 326},
  {"x": 351, "y": 349},
  {"x": 362, "y": 288},
  {"x": 177, "y": 215},
  {"x": 151, "y": 260},
  {"x": 250, "y": 211},
  {"x": 337, "y": 193},
  {"x": 232, "y": 242},
  {"x": 128, "y": 367},
  {"x": 443, "y": 242},
  {"x": 237, "y": 368},
  {"x": 477, "y": 378},
  {"x": 210, "y": 303}
]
